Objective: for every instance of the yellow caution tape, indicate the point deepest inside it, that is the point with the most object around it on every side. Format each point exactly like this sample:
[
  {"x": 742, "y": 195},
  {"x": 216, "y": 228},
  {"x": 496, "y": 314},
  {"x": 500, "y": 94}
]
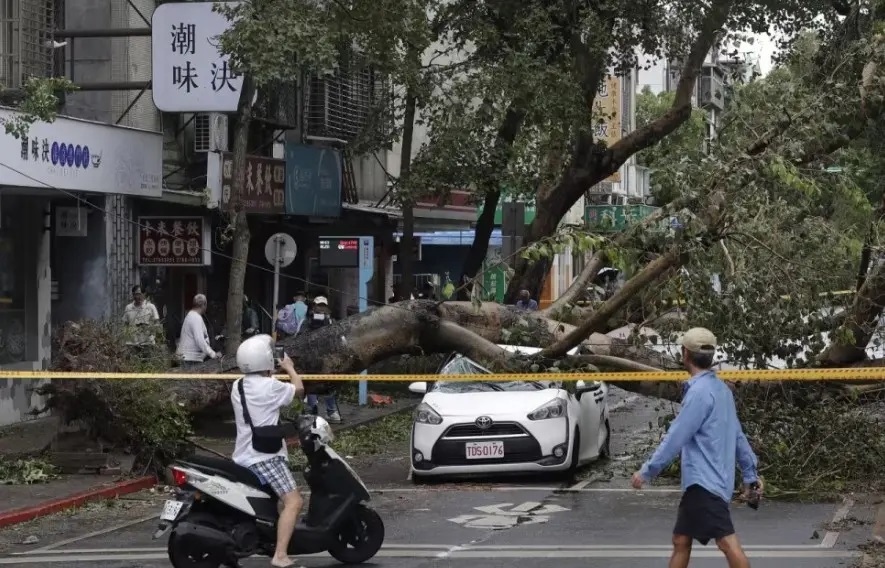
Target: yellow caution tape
[{"x": 849, "y": 374}]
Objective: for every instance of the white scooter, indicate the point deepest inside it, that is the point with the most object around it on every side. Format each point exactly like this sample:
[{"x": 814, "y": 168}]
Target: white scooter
[{"x": 222, "y": 513}]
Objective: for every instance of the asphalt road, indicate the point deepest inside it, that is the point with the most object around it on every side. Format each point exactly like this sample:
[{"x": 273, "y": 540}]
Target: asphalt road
[
  {"x": 597, "y": 521},
  {"x": 505, "y": 526}
]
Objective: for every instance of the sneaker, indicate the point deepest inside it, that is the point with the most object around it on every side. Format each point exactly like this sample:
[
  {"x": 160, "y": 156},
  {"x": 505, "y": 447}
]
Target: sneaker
[
  {"x": 314, "y": 411},
  {"x": 334, "y": 417}
]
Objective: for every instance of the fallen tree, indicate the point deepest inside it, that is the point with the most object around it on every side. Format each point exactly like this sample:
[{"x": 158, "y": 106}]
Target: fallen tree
[{"x": 424, "y": 327}]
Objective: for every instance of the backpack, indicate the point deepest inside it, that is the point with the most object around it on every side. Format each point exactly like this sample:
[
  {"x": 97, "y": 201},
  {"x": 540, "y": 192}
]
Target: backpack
[{"x": 286, "y": 321}]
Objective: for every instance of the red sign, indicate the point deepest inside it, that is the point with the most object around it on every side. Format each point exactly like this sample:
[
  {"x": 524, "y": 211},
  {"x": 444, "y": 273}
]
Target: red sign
[
  {"x": 265, "y": 190},
  {"x": 171, "y": 241}
]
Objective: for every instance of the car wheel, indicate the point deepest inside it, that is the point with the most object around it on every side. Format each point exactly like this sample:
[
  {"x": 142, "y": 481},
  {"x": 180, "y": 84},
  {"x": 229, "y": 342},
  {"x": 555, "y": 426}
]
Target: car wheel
[{"x": 605, "y": 451}]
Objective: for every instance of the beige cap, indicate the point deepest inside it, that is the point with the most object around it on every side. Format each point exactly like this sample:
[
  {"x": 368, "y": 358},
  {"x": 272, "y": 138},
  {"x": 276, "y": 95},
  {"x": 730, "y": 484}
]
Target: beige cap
[{"x": 699, "y": 340}]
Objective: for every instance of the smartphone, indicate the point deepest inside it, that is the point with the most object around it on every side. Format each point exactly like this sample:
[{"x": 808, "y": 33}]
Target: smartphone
[
  {"x": 753, "y": 500},
  {"x": 278, "y": 356}
]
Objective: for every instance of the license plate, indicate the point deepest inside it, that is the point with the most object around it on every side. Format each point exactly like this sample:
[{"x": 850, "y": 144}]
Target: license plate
[
  {"x": 171, "y": 510},
  {"x": 484, "y": 450}
]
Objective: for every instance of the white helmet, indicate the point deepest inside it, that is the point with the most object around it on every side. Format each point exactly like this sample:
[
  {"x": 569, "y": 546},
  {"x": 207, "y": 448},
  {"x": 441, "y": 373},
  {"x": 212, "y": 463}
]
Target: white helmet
[
  {"x": 321, "y": 301},
  {"x": 322, "y": 430},
  {"x": 255, "y": 355}
]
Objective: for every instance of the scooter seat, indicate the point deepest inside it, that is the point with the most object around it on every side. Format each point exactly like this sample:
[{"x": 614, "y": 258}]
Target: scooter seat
[{"x": 225, "y": 468}]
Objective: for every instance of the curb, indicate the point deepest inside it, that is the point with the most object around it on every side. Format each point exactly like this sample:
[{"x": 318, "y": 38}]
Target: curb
[{"x": 24, "y": 514}]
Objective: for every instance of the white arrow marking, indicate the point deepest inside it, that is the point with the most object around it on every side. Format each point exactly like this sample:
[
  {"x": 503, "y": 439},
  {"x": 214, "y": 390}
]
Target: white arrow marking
[
  {"x": 529, "y": 508},
  {"x": 526, "y": 507}
]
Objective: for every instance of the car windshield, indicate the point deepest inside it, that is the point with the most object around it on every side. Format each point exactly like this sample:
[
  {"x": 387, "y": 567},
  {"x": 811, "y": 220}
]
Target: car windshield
[{"x": 461, "y": 365}]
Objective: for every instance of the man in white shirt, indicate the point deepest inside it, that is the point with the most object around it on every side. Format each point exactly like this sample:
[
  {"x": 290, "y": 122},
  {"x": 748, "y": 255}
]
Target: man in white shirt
[
  {"x": 265, "y": 396},
  {"x": 193, "y": 346},
  {"x": 140, "y": 320}
]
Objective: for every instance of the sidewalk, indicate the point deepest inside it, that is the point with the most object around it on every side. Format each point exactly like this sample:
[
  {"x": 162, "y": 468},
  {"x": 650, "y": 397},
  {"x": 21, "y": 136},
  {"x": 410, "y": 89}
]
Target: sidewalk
[{"x": 21, "y": 503}]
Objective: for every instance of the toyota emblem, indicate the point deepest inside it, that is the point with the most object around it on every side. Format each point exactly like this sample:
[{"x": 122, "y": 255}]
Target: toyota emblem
[{"x": 483, "y": 422}]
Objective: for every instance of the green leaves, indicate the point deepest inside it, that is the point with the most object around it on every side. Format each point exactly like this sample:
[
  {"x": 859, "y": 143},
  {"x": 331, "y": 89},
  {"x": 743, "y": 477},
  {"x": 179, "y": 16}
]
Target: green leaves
[{"x": 40, "y": 104}]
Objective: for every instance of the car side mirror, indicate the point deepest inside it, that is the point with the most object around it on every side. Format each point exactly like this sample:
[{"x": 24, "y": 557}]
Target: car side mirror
[{"x": 418, "y": 388}]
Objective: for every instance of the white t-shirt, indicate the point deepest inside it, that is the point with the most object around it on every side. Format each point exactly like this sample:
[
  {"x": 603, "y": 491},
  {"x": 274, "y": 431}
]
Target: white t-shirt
[
  {"x": 194, "y": 342},
  {"x": 265, "y": 396}
]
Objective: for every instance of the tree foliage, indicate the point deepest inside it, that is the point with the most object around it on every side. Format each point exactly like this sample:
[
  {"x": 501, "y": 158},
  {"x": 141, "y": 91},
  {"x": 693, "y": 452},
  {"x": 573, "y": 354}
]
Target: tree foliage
[
  {"x": 38, "y": 102},
  {"x": 686, "y": 143}
]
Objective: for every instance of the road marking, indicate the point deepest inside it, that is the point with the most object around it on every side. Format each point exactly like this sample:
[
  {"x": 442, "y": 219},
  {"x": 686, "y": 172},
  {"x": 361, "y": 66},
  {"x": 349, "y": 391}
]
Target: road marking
[
  {"x": 111, "y": 529},
  {"x": 581, "y": 484},
  {"x": 830, "y": 537},
  {"x": 508, "y": 515},
  {"x": 430, "y": 489},
  {"x": 459, "y": 552},
  {"x": 442, "y": 547},
  {"x": 879, "y": 526}
]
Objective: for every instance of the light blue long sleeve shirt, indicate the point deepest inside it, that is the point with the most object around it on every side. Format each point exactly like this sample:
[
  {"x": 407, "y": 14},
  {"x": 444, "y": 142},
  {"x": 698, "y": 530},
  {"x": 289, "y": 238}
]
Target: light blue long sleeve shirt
[{"x": 709, "y": 436}]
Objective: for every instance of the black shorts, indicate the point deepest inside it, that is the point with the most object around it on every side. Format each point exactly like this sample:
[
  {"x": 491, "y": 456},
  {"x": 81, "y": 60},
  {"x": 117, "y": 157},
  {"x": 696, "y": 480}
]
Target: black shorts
[{"x": 703, "y": 516}]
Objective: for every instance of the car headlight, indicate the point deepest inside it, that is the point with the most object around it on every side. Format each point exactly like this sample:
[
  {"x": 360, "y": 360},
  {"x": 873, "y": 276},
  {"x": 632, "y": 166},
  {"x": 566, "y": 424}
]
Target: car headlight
[
  {"x": 425, "y": 414},
  {"x": 553, "y": 409}
]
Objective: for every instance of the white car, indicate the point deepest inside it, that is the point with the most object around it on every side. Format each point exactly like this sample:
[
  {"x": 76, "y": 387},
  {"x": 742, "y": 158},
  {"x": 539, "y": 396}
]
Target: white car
[{"x": 465, "y": 428}]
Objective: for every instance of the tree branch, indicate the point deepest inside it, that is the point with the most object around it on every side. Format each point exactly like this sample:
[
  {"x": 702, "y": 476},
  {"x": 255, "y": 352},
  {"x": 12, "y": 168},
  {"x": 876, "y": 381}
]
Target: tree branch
[
  {"x": 597, "y": 321},
  {"x": 680, "y": 110}
]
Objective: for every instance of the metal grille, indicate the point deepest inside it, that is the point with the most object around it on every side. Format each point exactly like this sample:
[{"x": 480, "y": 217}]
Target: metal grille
[
  {"x": 26, "y": 36},
  {"x": 347, "y": 103},
  {"x": 202, "y": 132},
  {"x": 120, "y": 251}
]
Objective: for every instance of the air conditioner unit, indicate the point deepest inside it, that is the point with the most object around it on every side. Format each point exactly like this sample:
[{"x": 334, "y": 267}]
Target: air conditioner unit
[{"x": 210, "y": 132}]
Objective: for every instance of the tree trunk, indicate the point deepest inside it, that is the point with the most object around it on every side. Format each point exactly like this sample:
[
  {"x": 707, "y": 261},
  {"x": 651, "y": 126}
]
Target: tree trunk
[
  {"x": 482, "y": 234},
  {"x": 405, "y": 256},
  {"x": 479, "y": 248},
  {"x": 241, "y": 236},
  {"x": 417, "y": 328}
]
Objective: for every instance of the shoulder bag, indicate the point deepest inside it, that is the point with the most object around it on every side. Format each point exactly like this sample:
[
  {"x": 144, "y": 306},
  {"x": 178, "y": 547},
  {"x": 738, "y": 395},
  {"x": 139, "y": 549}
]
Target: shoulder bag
[{"x": 265, "y": 439}]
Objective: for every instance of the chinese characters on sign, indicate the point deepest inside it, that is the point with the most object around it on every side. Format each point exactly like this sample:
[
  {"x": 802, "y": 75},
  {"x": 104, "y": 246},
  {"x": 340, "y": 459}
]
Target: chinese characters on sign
[
  {"x": 191, "y": 74},
  {"x": 83, "y": 156},
  {"x": 170, "y": 241},
  {"x": 607, "y": 115},
  {"x": 265, "y": 188}
]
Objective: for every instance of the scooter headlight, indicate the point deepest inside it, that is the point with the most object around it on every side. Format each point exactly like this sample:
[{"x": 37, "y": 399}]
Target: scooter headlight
[{"x": 425, "y": 414}]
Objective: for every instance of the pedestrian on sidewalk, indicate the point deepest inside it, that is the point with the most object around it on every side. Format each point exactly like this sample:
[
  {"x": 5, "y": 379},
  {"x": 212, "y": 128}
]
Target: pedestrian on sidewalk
[
  {"x": 194, "y": 346},
  {"x": 141, "y": 322},
  {"x": 320, "y": 316},
  {"x": 709, "y": 436}
]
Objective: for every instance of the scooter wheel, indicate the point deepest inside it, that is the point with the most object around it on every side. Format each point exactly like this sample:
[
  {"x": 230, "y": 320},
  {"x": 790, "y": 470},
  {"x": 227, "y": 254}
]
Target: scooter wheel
[
  {"x": 180, "y": 557},
  {"x": 360, "y": 538}
]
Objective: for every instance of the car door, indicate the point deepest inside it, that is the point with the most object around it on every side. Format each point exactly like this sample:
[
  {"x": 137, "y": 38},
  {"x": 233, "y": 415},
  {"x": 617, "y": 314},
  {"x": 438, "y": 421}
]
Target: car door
[{"x": 591, "y": 402}]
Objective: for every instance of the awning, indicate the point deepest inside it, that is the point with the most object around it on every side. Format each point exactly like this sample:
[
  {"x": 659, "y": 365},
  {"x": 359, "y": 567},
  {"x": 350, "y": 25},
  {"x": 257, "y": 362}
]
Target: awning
[{"x": 369, "y": 207}]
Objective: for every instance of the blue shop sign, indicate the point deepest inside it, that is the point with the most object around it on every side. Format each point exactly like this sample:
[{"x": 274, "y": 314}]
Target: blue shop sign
[{"x": 313, "y": 181}]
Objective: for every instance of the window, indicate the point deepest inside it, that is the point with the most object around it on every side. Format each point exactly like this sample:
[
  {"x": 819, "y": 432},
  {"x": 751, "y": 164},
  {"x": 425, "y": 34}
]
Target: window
[{"x": 26, "y": 34}]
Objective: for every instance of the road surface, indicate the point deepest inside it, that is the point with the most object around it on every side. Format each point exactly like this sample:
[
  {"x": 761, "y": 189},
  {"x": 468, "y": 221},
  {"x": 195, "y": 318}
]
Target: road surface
[{"x": 595, "y": 521}]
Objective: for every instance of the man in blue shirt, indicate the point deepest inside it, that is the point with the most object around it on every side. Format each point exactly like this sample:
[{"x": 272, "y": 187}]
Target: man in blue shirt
[{"x": 709, "y": 437}]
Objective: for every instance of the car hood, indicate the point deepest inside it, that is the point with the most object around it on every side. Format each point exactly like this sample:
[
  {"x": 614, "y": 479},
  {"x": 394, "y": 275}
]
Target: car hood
[{"x": 475, "y": 404}]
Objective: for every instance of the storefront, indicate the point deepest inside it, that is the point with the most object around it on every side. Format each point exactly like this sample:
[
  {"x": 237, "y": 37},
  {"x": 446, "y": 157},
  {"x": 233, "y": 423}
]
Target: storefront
[
  {"x": 65, "y": 235},
  {"x": 174, "y": 260}
]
